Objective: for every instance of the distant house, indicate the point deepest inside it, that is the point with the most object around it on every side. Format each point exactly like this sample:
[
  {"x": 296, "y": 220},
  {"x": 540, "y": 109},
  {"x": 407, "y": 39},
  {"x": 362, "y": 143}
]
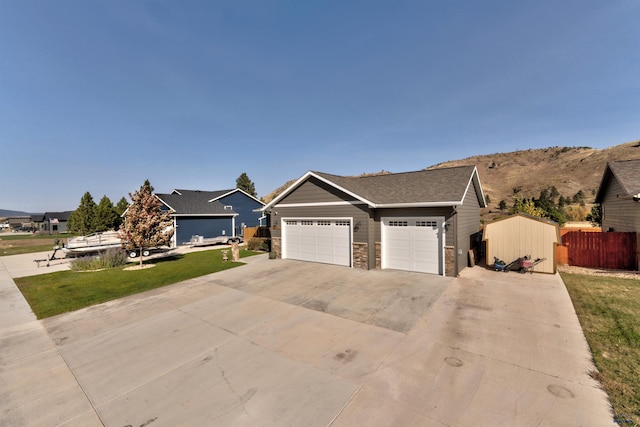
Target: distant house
[
  {"x": 619, "y": 196},
  {"x": 210, "y": 213},
  {"x": 417, "y": 221},
  {"x": 56, "y": 222},
  {"x": 38, "y": 221}
]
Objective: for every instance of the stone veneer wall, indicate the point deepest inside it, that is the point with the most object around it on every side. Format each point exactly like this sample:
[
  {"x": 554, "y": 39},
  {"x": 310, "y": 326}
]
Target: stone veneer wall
[
  {"x": 378, "y": 255},
  {"x": 449, "y": 261},
  {"x": 361, "y": 255},
  {"x": 276, "y": 246}
]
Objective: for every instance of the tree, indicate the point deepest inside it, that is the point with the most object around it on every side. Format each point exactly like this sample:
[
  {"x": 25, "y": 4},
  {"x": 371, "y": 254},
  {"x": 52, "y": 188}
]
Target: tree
[
  {"x": 145, "y": 225},
  {"x": 487, "y": 198},
  {"x": 106, "y": 217},
  {"x": 502, "y": 205},
  {"x": 81, "y": 220},
  {"x": 121, "y": 207},
  {"x": 595, "y": 217},
  {"x": 526, "y": 206},
  {"x": 245, "y": 184}
]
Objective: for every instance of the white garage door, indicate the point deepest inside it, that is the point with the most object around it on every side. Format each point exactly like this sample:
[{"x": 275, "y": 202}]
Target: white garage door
[
  {"x": 413, "y": 244},
  {"x": 317, "y": 240}
]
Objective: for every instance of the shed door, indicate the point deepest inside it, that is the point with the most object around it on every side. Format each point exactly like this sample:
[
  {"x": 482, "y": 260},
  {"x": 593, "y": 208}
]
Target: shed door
[
  {"x": 317, "y": 240},
  {"x": 413, "y": 244}
]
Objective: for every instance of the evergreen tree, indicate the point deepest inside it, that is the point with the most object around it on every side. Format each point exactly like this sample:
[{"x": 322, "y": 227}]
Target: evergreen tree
[
  {"x": 106, "y": 218},
  {"x": 121, "y": 207},
  {"x": 145, "y": 225},
  {"x": 595, "y": 217},
  {"x": 245, "y": 184},
  {"x": 81, "y": 220}
]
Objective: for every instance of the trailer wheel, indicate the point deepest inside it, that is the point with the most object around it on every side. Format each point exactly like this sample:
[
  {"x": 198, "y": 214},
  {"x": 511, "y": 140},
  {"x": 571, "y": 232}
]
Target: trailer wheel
[
  {"x": 133, "y": 254},
  {"x": 145, "y": 252}
]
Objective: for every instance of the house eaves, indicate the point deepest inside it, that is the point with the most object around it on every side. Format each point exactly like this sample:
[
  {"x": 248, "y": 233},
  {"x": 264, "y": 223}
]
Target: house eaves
[
  {"x": 303, "y": 179},
  {"x": 233, "y": 191}
]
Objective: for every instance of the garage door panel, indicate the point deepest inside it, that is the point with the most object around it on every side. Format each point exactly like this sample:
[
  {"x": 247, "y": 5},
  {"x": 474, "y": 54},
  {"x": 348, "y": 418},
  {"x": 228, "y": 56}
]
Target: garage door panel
[
  {"x": 413, "y": 243},
  {"x": 318, "y": 240}
]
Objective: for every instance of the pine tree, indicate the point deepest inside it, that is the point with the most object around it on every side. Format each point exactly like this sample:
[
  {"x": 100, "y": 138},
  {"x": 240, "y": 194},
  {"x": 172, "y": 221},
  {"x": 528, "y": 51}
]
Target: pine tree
[
  {"x": 145, "y": 225},
  {"x": 81, "y": 220},
  {"x": 245, "y": 184},
  {"x": 121, "y": 207},
  {"x": 106, "y": 217}
]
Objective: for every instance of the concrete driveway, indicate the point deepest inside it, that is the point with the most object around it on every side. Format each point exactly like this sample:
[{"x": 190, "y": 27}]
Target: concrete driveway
[{"x": 279, "y": 342}]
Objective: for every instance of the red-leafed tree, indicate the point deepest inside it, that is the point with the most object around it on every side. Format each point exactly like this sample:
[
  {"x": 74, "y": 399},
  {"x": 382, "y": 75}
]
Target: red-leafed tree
[{"x": 145, "y": 225}]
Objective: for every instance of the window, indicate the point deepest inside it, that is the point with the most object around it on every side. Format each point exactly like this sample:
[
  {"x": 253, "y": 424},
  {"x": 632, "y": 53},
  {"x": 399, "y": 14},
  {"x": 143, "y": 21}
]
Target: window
[
  {"x": 291, "y": 222},
  {"x": 228, "y": 208},
  {"x": 398, "y": 224},
  {"x": 324, "y": 222},
  {"x": 304, "y": 222},
  {"x": 433, "y": 224},
  {"x": 342, "y": 223}
]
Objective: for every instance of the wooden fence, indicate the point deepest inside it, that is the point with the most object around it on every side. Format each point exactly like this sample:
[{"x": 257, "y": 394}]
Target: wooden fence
[
  {"x": 617, "y": 251},
  {"x": 250, "y": 232}
]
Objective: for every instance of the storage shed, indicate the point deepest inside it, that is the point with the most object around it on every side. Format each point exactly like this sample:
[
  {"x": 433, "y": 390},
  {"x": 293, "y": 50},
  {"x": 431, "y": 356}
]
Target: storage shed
[{"x": 518, "y": 235}]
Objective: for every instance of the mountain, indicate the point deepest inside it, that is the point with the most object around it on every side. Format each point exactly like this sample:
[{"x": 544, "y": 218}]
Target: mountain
[
  {"x": 527, "y": 172},
  {"x": 6, "y": 212}
]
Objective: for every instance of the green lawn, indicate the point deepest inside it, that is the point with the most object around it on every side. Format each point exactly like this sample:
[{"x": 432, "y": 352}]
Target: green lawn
[
  {"x": 60, "y": 292},
  {"x": 16, "y": 244},
  {"x": 609, "y": 312}
]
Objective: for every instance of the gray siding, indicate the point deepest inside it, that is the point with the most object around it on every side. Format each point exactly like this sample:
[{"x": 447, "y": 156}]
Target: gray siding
[
  {"x": 315, "y": 191},
  {"x": 446, "y": 212},
  {"x": 358, "y": 213},
  {"x": 467, "y": 223},
  {"x": 619, "y": 214}
]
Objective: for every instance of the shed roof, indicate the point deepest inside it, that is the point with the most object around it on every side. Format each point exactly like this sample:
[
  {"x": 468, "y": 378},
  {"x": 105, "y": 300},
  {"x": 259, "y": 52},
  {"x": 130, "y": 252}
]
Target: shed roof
[
  {"x": 626, "y": 172},
  {"x": 195, "y": 202},
  {"x": 432, "y": 187}
]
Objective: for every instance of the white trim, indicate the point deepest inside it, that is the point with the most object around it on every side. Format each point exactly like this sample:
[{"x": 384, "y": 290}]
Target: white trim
[
  {"x": 417, "y": 205},
  {"x": 233, "y": 226},
  {"x": 466, "y": 190},
  {"x": 441, "y": 229},
  {"x": 297, "y": 218},
  {"x": 163, "y": 202},
  {"x": 293, "y": 186},
  {"x": 233, "y": 191},
  {"x": 222, "y": 215},
  {"x": 176, "y": 191},
  {"x": 300, "y": 205}
]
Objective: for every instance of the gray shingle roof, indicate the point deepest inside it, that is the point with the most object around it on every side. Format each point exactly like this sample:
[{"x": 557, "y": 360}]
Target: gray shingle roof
[
  {"x": 426, "y": 186},
  {"x": 627, "y": 172},
  {"x": 195, "y": 202}
]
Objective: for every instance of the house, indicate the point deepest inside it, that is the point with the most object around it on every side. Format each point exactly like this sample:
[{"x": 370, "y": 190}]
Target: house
[
  {"x": 56, "y": 222},
  {"x": 416, "y": 221},
  {"x": 619, "y": 197},
  {"x": 210, "y": 213},
  {"x": 511, "y": 238}
]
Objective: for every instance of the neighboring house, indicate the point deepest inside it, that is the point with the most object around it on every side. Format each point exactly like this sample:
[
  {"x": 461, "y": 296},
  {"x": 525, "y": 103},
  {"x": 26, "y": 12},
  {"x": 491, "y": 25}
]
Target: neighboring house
[
  {"x": 38, "y": 221},
  {"x": 56, "y": 222},
  {"x": 417, "y": 221},
  {"x": 210, "y": 213},
  {"x": 619, "y": 196}
]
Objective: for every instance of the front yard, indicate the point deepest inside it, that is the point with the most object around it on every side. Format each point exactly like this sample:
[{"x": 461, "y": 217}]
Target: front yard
[
  {"x": 60, "y": 292},
  {"x": 609, "y": 312}
]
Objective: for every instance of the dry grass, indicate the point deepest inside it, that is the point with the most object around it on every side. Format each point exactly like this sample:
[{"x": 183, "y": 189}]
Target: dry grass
[{"x": 609, "y": 312}]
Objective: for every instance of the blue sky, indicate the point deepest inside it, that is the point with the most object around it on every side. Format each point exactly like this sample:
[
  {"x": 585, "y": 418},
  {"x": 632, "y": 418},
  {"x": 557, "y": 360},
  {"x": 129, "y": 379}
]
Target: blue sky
[{"x": 100, "y": 95}]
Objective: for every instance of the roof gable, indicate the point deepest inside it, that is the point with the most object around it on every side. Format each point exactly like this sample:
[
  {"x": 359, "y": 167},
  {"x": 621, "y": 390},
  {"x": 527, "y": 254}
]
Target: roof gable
[
  {"x": 236, "y": 190},
  {"x": 195, "y": 202},
  {"x": 626, "y": 172},
  {"x": 426, "y": 188}
]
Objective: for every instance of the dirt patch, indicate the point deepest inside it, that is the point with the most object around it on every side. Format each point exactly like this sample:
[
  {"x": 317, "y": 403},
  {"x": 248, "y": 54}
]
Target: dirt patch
[
  {"x": 138, "y": 267},
  {"x": 621, "y": 274}
]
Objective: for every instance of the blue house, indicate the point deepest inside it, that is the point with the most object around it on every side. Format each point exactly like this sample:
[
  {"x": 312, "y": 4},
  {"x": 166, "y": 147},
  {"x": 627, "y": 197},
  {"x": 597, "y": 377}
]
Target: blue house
[{"x": 210, "y": 213}]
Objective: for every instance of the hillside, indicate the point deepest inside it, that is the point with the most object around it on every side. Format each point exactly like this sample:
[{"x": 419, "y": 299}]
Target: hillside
[{"x": 569, "y": 169}]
